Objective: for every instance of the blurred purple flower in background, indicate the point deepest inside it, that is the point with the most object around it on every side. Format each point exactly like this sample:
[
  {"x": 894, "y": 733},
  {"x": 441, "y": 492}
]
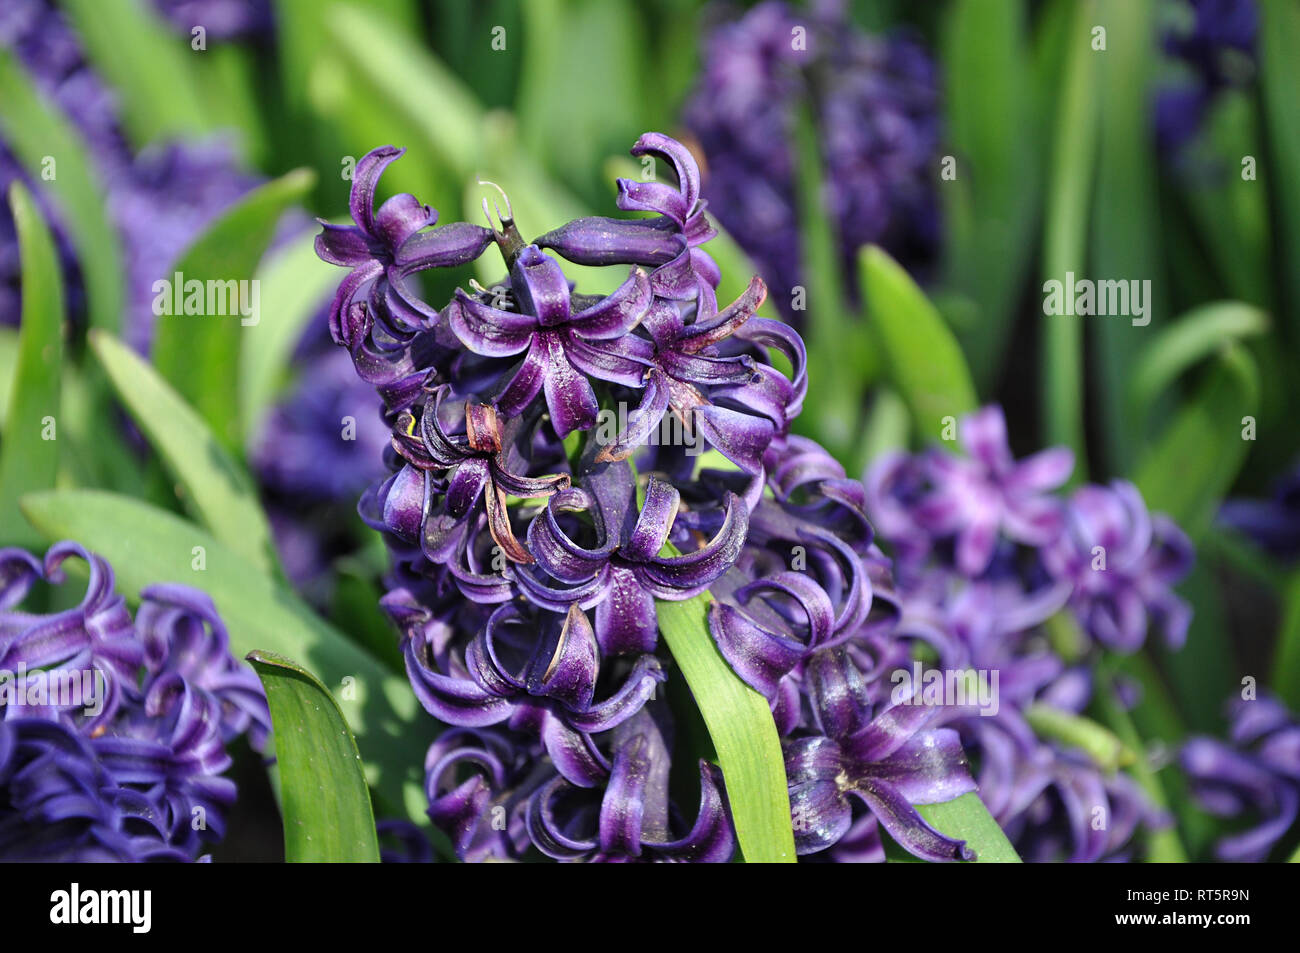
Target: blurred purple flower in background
[
  {"x": 1214, "y": 43},
  {"x": 875, "y": 105},
  {"x": 1254, "y": 773},
  {"x": 113, "y": 733}
]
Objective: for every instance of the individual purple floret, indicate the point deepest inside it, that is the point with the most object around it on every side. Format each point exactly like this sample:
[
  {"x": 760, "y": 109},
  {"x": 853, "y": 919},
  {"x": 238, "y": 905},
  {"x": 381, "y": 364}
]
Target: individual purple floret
[
  {"x": 113, "y": 733},
  {"x": 874, "y": 103},
  {"x": 1254, "y": 774},
  {"x": 1274, "y": 523}
]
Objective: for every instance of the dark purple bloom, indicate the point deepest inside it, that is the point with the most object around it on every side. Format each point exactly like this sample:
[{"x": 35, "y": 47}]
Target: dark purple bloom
[
  {"x": 874, "y": 103},
  {"x": 142, "y": 777},
  {"x": 1254, "y": 774},
  {"x": 889, "y": 759}
]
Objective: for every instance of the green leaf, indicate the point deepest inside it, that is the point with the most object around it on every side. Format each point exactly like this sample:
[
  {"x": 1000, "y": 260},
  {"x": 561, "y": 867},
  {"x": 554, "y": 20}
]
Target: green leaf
[
  {"x": 966, "y": 818},
  {"x": 837, "y": 339},
  {"x": 295, "y": 284},
  {"x": 993, "y": 203},
  {"x": 1125, "y": 233},
  {"x": 1279, "y": 38},
  {"x": 323, "y": 796},
  {"x": 30, "y": 458},
  {"x": 146, "y": 545},
  {"x": 1193, "y": 463},
  {"x": 743, "y": 732},
  {"x": 430, "y": 98},
  {"x": 1195, "y": 336},
  {"x": 214, "y": 486},
  {"x": 37, "y": 132},
  {"x": 147, "y": 65},
  {"x": 1097, "y": 742},
  {"x": 8, "y": 361},
  {"x": 199, "y": 353},
  {"x": 1066, "y": 234},
  {"x": 922, "y": 357}
]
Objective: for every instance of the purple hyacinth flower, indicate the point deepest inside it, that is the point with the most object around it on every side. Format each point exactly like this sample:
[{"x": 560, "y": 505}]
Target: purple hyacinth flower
[
  {"x": 629, "y": 819},
  {"x": 988, "y": 493},
  {"x": 670, "y": 243},
  {"x": 890, "y": 760},
  {"x": 556, "y": 341},
  {"x": 1123, "y": 564},
  {"x": 142, "y": 778},
  {"x": 1255, "y": 773},
  {"x": 624, "y": 572},
  {"x": 1273, "y": 524},
  {"x": 536, "y": 671}
]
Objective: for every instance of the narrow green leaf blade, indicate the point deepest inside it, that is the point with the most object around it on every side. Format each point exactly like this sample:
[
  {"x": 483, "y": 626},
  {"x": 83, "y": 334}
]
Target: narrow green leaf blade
[
  {"x": 199, "y": 353},
  {"x": 743, "y": 732},
  {"x": 146, "y": 545},
  {"x": 1195, "y": 336},
  {"x": 215, "y": 486},
  {"x": 37, "y": 132},
  {"x": 1191, "y": 466},
  {"x": 966, "y": 818},
  {"x": 29, "y": 458},
  {"x": 323, "y": 796},
  {"x": 1066, "y": 233},
  {"x": 923, "y": 358}
]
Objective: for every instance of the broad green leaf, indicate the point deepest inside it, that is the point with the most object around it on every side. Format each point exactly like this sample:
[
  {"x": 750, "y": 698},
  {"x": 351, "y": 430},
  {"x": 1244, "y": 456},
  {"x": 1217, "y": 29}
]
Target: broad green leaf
[
  {"x": 922, "y": 358},
  {"x": 1098, "y": 742},
  {"x": 199, "y": 353},
  {"x": 148, "y": 66},
  {"x": 29, "y": 458},
  {"x": 213, "y": 485},
  {"x": 966, "y": 818},
  {"x": 743, "y": 732},
  {"x": 1066, "y": 235},
  {"x": 1187, "y": 471},
  {"x": 44, "y": 141},
  {"x": 1286, "y": 668},
  {"x": 1195, "y": 336},
  {"x": 323, "y": 796},
  {"x": 295, "y": 285},
  {"x": 1125, "y": 227},
  {"x": 146, "y": 545}
]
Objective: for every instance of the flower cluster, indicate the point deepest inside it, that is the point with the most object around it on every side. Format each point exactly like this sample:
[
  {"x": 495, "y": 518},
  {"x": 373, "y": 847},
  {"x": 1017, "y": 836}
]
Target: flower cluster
[
  {"x": 998, "y": 574},
  {"x": 113, "y": 732},
  {"x": 1256, "y": 772},
  {"x": 531, "y": 538},
  {"x": 874, "y": 102}
]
